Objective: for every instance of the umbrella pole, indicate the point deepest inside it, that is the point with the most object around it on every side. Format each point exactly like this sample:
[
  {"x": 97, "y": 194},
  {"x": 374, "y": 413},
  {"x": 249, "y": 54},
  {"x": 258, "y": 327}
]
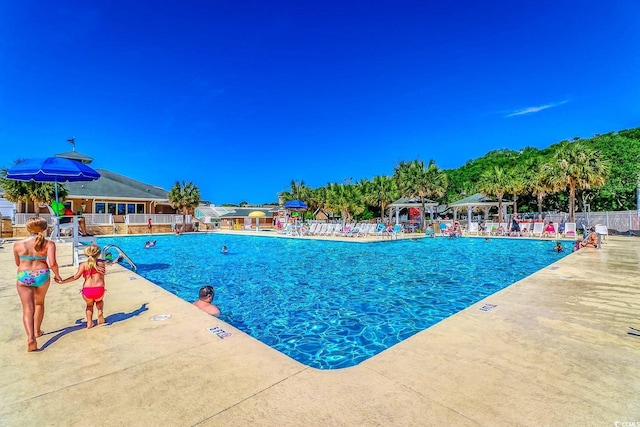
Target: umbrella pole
[{"x": 57, "y": 228}]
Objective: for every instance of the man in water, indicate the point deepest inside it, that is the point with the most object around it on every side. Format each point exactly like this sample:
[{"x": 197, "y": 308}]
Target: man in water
[{"x": 204, "y": 303}]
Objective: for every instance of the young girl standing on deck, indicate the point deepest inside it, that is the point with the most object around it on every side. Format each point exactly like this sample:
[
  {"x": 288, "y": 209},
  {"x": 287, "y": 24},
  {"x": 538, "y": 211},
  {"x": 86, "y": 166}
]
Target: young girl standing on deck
[{"x": 93, "y": 271}]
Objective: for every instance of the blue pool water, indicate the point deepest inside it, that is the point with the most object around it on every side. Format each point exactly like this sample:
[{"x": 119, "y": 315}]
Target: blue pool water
[{"x": 334, "y": 304}]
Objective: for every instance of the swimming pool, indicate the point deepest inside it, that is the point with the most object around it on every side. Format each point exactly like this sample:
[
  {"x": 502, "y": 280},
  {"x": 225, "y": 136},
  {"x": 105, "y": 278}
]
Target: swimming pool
[{"x": 329, "y": 304}]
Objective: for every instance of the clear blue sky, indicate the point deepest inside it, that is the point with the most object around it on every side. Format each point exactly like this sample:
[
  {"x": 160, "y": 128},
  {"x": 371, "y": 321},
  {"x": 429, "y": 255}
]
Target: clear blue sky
[{"x": 241, "y": 97}]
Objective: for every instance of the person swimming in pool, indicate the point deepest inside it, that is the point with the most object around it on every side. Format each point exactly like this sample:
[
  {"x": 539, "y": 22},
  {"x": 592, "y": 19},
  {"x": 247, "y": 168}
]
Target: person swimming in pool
[
  {"x": 35, "y": 258},
  {"x": 205, "y": 300},
  {"x": 93, "y": 271},
  {"x": 225, "y": 250}
]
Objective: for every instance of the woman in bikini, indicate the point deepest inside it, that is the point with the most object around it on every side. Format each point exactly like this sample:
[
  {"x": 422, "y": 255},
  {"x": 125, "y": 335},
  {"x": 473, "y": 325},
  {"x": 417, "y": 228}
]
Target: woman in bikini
[
  {"x": 35, "y": 257},
  {"x": 93, "y": 271}
]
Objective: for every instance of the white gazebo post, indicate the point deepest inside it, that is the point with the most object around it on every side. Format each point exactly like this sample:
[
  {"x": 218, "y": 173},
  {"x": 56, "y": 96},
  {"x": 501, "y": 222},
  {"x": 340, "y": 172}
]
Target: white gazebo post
[
  {"x": 468, "y": 216},
  {"x": 397, "y": 215}
]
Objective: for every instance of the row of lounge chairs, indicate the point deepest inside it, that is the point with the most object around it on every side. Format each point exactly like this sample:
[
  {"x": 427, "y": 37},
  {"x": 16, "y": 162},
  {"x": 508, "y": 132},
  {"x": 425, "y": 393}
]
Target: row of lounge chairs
[
  {"x": 538, "y": 230},
  {"x": 362, "y": 229}
]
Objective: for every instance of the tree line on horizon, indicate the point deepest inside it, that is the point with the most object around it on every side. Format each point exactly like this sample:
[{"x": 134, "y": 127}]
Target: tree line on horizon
[{"x": 602, "y": 171}]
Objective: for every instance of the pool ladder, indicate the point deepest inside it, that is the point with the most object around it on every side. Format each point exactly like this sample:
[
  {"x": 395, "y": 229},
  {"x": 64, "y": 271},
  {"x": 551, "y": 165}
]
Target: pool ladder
[{"x": 120, "y": 253}]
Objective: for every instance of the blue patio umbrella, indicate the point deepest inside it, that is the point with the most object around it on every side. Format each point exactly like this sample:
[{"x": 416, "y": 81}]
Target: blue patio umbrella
[
  {"x": 52, "y": 169},
  {"x": 295, "y": 205}
]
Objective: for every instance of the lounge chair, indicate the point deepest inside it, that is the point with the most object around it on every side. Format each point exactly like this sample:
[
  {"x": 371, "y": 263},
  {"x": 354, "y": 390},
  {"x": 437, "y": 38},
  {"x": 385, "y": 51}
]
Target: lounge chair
[
  {"x": 602, "y": 231},
  {"x": 538, "y": 228},
  {"x": 58, "y": 227},
  {"x": 312, "y": 230},
  {"x": 472, "y": 228},
  {"x": 490, "y": 228},
  {"x": 569, "y": 230}
]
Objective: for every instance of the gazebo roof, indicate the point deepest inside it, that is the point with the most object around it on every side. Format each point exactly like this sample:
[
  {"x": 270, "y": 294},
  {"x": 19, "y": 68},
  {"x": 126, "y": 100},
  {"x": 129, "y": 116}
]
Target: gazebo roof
[
  {"x": 413, "y": 202},
  {"x": 479, "y": 200}
]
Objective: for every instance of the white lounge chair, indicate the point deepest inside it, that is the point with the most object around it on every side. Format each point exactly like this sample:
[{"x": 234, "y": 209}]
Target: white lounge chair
[
  {"x": 602, "y": 231},
  {"x": 569, "y": 230},
  {"x": 322, "y": 229},
  {"x": 312, "y": 229},
  {"x": 472, "y": 228},
  {"x": 58, "y": 227},
  {"x": 538, "y": 228}
]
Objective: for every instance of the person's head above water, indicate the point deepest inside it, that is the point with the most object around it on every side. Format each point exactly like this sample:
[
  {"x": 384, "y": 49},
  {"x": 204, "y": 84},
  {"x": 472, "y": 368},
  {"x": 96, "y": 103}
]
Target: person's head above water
[{"x": 206, "y": 292}]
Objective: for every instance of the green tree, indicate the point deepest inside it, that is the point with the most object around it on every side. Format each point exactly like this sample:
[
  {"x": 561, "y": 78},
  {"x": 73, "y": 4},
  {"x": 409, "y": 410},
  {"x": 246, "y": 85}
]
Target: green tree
[
  {"x": 297, "y": 191},
  {"x": 184, "y": 197},
  {"x": 538, "y": 180},
  {"x": 577, "y": 166},
  {"x": 415, "y": 180},
  {"x": 346, "y": 199},
  {"x": 495, "y": 182},
  {"x": 382, "y": 191},
  {"x": 516, "y": 184}
]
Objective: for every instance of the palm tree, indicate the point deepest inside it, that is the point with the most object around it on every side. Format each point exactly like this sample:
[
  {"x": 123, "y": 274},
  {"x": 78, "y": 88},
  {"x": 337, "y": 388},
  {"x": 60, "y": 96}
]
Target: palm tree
[
  {"x": 346, "y": 199},
  {"x": 414, "y": 180},
  {"x": 516, "y": 185},
  {"x": 316, "y": 199},
  {"x": 184, "y": 197},
  {"x": 578, "y": 167},
  {"x": 382, "y": 191},
  {"x": 494, "y": 182},
  {"x": 298, "y": 191},
  {"x": 539, "y": 180}
]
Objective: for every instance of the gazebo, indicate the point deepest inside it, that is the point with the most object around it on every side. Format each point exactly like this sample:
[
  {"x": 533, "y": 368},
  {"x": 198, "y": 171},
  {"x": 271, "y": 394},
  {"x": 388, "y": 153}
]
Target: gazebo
[
  {"x": 479, "y": 201},
  {"x": 414, "y": 202}
]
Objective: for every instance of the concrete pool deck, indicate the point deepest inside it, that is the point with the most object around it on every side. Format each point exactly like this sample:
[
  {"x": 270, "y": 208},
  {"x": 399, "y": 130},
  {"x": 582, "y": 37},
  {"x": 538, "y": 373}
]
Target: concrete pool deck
[{"x": 555, "y": 350}]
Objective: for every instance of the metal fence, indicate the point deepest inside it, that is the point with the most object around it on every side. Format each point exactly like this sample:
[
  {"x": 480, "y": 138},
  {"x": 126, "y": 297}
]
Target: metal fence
[{"x": 616, "y": 221}]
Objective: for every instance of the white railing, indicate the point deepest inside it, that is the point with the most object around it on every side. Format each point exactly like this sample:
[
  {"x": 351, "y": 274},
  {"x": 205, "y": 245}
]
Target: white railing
[
  {"x": 141, "y": 219},
  {"x": 90, "y": 219}
]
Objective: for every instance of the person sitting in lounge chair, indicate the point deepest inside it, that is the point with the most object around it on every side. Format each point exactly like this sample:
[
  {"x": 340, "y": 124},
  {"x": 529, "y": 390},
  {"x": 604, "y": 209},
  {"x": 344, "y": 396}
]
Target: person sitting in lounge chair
[
  {"x": 591, "y": 240},
  {"x": 456, "y": 231},
  {"x": 549, "y": 230}
]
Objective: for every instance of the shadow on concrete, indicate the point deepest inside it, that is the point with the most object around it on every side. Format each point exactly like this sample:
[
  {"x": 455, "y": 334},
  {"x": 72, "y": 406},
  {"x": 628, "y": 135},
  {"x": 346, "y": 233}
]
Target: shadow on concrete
[{"x": 82, "y": 324}]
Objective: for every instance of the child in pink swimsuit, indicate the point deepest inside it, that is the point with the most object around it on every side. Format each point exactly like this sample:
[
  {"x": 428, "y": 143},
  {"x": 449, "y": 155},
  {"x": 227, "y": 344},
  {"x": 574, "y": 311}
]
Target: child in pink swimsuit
[{"x": 93, "y": 271}]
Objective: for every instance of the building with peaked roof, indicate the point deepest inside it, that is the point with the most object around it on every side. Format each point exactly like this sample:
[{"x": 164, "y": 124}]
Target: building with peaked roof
[
  {"x": 235, "y": 217},
  {"x": 112, "y": 194},
  {"x": 479, "y": 201},
  {"x": 118, "y": 195},
  {"x": 412, "y": 203}
]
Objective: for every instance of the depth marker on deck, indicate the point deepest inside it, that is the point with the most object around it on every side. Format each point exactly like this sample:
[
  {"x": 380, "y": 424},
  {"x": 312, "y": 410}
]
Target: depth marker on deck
[{"x": 487, "y": 307}]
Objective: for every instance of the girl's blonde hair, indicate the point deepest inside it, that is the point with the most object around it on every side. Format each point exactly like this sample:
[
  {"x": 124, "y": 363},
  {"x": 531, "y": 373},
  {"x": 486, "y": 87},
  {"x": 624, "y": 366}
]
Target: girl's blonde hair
[
  {"x": 38, "y": 226},
  {"x": 92, "y": 252}
]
